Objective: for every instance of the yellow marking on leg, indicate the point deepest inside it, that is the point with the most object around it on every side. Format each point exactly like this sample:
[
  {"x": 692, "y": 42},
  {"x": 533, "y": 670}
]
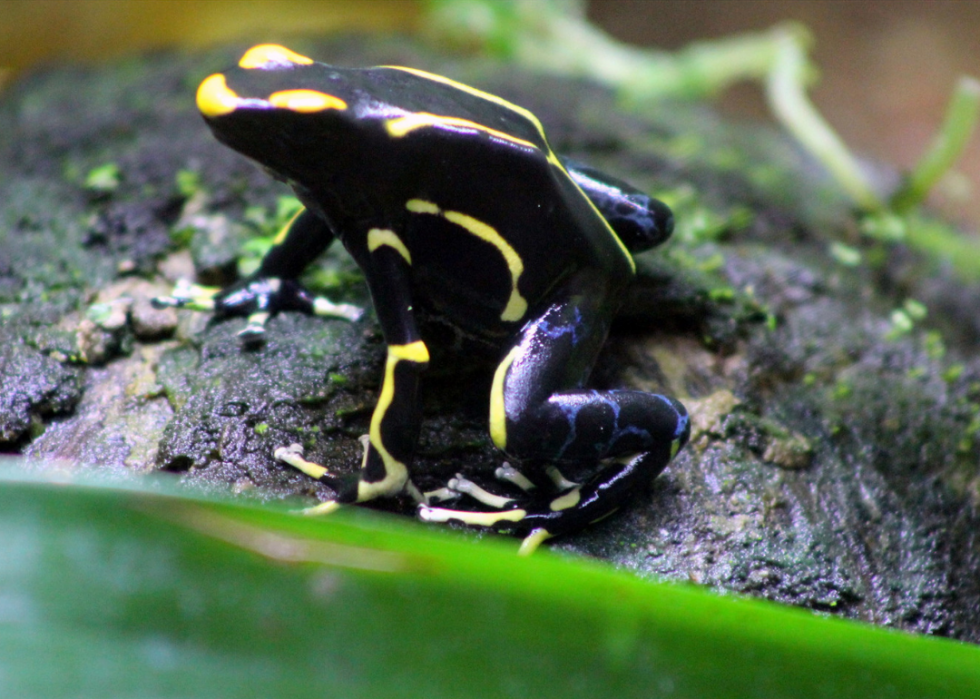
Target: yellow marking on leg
[
  {"x": 413, "y": 352},
  {"x": 675, "y": 447},
  {"x": 284, "y": 231},
  {"x": 293, "y": 455},
  {"x": 403, "y": 125},
  {"x": 305, "y": 101},
  {"x": 321, "y": 510},
  {"x": 215, "y": 98},
  {"x": 377, "y": 237},
  {"x": 476, "y": 519},
  {"x": 569, "y": 499},
  {"x": 274, "y": 54},
  {"x": 396, "y": 473},
  {"x": 532, "y": 541},
  {"x": 516, "y": 304},
  {"x": 498, "y": 413}
]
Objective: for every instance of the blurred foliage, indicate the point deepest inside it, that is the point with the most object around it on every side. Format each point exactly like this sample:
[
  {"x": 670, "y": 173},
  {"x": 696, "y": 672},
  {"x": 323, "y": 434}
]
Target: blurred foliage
[
  {"x": 33, "y": 31},
  {"x": 174, "y": 595}
]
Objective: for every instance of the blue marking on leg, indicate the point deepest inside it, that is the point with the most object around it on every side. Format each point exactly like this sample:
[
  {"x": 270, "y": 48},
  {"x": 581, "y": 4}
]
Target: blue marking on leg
[
  {"x": 571, "y": 414},
  {"x": 620, "y": 432},
  {"x": 555, "y": 331}
]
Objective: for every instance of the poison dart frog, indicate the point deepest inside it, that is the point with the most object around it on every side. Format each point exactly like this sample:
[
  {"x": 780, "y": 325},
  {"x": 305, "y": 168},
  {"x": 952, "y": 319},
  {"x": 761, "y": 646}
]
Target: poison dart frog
[{"x": 454, "y": 206}]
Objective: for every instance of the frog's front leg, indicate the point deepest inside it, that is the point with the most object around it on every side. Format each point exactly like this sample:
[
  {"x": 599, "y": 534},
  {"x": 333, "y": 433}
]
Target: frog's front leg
[
  {"x": 539, "y": 412},
  {"x": 274, "y": 286},
  {"x": 391, "y": 441}
]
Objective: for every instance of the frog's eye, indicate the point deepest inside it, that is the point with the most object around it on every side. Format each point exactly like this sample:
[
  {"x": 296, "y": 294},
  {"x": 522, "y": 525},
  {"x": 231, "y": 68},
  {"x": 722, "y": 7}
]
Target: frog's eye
[{"x": 271, "y": 56}]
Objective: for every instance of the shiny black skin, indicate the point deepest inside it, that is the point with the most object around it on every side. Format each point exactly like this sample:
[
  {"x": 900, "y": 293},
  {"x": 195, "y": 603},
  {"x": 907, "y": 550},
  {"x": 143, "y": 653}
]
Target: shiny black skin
[{"x": 483, "y": 227}]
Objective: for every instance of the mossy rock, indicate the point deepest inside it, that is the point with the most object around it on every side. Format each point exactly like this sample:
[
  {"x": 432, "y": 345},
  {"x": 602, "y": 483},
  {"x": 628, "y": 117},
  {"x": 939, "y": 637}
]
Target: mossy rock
[{"x": 834, "y": 458}]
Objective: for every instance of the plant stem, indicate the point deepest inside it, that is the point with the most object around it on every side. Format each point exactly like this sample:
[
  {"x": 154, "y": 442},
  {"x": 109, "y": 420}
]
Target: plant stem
[
  {"x": 786, "y": 92},
  {"x": 946, "y": 148}
]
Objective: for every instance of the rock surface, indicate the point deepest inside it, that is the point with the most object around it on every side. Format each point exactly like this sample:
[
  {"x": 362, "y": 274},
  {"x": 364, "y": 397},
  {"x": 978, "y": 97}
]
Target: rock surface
[{"x": 834, "y": 459}]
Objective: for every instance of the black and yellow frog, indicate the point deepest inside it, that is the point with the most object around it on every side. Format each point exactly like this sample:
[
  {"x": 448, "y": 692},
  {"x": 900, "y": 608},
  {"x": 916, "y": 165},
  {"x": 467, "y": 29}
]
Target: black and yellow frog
[{"x": 454, "y": 206}]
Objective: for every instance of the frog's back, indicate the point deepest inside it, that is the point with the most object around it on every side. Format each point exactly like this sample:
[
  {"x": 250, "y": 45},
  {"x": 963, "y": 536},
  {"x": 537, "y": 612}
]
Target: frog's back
[{"x": 492, "y": 220}]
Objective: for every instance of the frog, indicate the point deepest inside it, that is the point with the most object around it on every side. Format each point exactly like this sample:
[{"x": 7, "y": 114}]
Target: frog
[{"x": 458, "y": 212}]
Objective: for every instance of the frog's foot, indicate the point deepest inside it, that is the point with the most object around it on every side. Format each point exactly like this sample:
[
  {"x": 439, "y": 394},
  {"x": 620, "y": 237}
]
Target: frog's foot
[
  {"x": 186, "y": 294},
  {"x": 293, "y": 455},
  {"x": 567, "y": 507},
  {"x": 507, "y": 512},
  {"x": 259, "y": 299},
  {"x": 503, "y": 519},
  {"x": 322, "y": 306},
  {"x": 506, "y": 472}
]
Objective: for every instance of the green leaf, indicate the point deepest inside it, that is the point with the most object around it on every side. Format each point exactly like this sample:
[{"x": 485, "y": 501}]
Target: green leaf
[{"x": 143, "y": 591}]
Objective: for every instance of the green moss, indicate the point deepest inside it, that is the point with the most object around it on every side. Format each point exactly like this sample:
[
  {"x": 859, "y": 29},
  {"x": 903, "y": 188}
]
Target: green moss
[{"x": 103, "y": 179}]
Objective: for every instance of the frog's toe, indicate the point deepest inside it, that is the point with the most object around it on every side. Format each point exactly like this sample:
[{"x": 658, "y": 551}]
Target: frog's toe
[
  {"x": 186, "y": 294},
  {"x": 324, "y": 508},
  {"x": 254, "y": 331},
  {"x": 439, "y": 495},
  {"x": 293, "y": 455},
  {"x": 506, "y": 472},
  {"x": 463, "y": 485},
  {"x": 323, "y": 306},
  {"x": 534, "y": 539},
  {"x": 501, "y": 518}
]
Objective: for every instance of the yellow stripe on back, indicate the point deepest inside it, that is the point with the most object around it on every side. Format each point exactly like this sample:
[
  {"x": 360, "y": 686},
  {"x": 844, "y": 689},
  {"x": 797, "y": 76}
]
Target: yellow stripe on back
[
  {"x": 403, "y": 125},
  {"x": 516, "y": 305},
  {"x": 477, "y": 93}
]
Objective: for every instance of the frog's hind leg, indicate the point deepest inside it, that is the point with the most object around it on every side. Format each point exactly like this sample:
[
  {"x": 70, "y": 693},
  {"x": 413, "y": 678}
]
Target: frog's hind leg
[{"x": 539, "y": 412}]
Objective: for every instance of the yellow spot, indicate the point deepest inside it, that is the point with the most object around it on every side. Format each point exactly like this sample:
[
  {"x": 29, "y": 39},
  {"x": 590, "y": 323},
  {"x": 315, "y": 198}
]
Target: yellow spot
[
  {"x": 215, "y": 98},
  {"x": 412, "y": 352},
  {"x": 477, "y": 93},
  {"x": 675, "y": 447},
  {"x": 569, "y": 499},
  {"x": 305, "y": 100},
  {"x": 516, "y": 305},
  {"x": 498, "y": 414},
  {"x": 377, "y": 237},
  {"x": 403, "y": 125},
  {"x": 420, "y": 206},
  {"x": 264, "y": 54}
]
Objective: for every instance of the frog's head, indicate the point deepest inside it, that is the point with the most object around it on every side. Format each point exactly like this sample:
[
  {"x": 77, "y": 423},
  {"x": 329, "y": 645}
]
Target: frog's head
[{"x": 279, "y": 108}]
